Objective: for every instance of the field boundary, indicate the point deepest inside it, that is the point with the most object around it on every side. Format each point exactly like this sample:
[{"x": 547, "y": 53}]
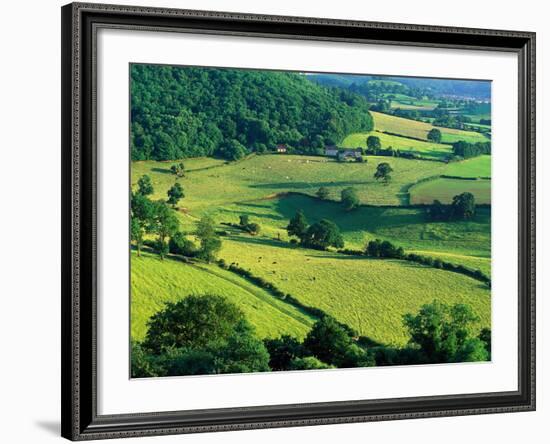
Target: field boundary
[{"x": 284, "y": 194}]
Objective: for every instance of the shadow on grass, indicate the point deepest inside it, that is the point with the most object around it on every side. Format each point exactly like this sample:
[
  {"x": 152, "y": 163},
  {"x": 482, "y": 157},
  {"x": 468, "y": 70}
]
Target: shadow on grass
[
  {"x": 307, "y": 185},
  {"x": 161, "y": 170},
  {"x": 263, "y": 241}
]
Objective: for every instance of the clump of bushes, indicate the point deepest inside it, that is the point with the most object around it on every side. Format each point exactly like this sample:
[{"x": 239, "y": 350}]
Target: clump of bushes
[
  {"x": 180, "y": 244},
  {"x": 384, "y": 249}
]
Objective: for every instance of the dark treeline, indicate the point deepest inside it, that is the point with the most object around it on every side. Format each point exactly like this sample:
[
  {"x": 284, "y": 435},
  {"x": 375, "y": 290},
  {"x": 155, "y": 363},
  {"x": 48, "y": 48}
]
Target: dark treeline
[
  {"x": 466, "y": 150},
  {"x": 210, "y": 335},
  {"x": 180, "y": 112}
]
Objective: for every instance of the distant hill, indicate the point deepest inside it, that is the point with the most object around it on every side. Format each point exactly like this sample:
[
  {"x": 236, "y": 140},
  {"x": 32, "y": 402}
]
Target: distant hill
[
  {"x": 444, "y": 87},
  {"x": 179, "y": 112}
]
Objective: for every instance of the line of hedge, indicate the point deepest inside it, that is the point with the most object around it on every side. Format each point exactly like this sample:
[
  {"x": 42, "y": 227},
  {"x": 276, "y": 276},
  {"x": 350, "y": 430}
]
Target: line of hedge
[
  {"x": 413, "y": 138},
  {"x": 275, "y": 291},
  {"x": 430, "y": 262},
  {"x": 446, "y": 176}
]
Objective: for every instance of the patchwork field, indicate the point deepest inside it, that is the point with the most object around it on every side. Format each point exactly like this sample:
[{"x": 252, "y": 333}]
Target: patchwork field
[
  {"x": 270, "y": 189},
  {"x": 155, "y": 282},
  {"x": 413, "y": 104},
  {"x": 419, "y": 130},
  {"x": 475, "y": 262},
  {"x": 475, "y": 167},
  {"x": 406, "y": 227},
  {"x": 428, "y": 150},
  {"x": 267, "y": 175},
  {"x": 444, "y": 190},
  {"x": 371, "y": 295}
]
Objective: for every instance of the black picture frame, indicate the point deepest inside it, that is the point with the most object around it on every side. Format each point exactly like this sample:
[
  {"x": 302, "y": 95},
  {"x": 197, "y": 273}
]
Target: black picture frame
[{"x": 80, "y": 420}]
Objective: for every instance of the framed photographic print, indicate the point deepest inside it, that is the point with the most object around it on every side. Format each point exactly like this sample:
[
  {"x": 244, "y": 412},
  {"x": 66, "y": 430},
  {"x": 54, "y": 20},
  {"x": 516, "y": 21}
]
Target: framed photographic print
[{"x": 281, "y": 221}]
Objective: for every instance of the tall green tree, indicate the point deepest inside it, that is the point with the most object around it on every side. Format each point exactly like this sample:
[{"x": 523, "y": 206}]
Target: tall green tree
[
  {"x": 297, "y": 225},
  {"x": 210, "y": 242},
  {"x": 142, "y": 213},
  {"x": 323, "y": 234},
  {"x": 200, "y": 335},
  {"x": 145, "y": 186},
  {"x": 282, "y": 351},
  {"x": 463, "y": 206},
  {"x": 165, "y": 224},
  {"x": 446, "y": 333},
  {"x": 175, "y": 193},
  {"x": 192, "y": 322},
  {"x": 349, "y": 198},
  {"x": 178, "y": 169},
  {"x": 434, "y": 135},
  {"x": 383, "y": 172},
  {"x": 233, "y": 150},
  {"x": 328, "y": 341},
  {"x": 373, "y": 144}
]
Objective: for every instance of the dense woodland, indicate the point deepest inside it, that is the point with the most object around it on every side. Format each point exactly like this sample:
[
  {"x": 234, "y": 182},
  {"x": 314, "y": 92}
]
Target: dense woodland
[{"x": 180, "y": 112}]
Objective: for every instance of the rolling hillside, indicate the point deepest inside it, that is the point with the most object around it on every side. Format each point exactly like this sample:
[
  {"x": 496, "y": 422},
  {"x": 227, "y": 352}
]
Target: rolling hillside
[
  {"x": 419, "y": 130},
  {"x": 370, "y": 295},
  {"x": 155, "y": 282}
]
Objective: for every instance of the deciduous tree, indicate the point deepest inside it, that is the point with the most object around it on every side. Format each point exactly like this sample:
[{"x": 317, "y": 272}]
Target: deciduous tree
[
  {"x": 175, "y": 193},
  {"x": 349, "y": 198},
  {"x": 383, "y": 172},
  {"x": 434, "y": 135},
  {"x": 297, "y": 225},
  {"x": 145, "y": 185}
]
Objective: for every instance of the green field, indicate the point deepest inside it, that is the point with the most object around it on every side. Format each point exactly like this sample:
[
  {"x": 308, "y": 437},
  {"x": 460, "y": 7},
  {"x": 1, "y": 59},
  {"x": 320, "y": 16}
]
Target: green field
[
  {"x": 475, "y": 167},
  {"x": 478, "y": 126},
  {"x": 474, "y": 262},
  {"x": 477, "y": 117},
  {"x": 419, "y": 130},
  {"x": 425, "y": 149},
  {"x": 268, "y": 175},
  {"x": 413, "y": 104},
  {"x": 155, "y": 282},
  {"x": 406, "y": 227},
  {"x": 270, "y": 189},
  {"x": 370, "y": 295},
  {"x": 444, "y": 190},
  {"x": 254, "y": 187}
]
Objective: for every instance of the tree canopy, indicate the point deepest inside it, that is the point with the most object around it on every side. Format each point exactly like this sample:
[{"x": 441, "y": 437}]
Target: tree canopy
[
  {"x": 445, "y": 333},
  {"x": 175, "y": 193},
  {"x": 383, "y": 172},
  {"x": 297, "y": 225},
  {"x": 434, "y": 135},
  {"x": 199, "y": 335},
  {"x": 210, "y": 242},
  {"x": 373, "y": 144},
  {"x": 350, "y": 199},
  {"x": 323, "y": 234},
  {"x": 179, "y": 112},
  {"x": 464, "y": 206}
]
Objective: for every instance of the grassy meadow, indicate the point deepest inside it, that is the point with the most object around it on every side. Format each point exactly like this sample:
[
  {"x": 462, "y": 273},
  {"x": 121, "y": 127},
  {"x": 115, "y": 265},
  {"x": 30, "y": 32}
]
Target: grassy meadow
[
  {"x": 155, "y": 282},
  {"x": 475, "y": 167},
  {"x": 444, "y": 190},
  {"x": 419, "y": 130},
  {"x": 270, "y": 189},
  {"x": 266, "y": 176},
  {"x": 427, "y": 150},
  {"x": 370, "y": 295}
]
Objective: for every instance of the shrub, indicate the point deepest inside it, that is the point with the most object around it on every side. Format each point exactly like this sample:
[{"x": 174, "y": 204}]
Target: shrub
[
  {"x": 308, "y": 363},
  {"x": 179, "y": 244}
]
